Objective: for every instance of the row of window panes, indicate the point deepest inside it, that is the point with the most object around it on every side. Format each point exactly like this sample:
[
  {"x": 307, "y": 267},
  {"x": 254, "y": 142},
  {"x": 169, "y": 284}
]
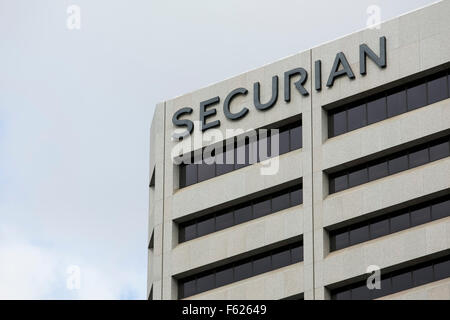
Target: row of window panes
[
  {"x": 397, "y": 281},
  {"x": 241, "y": 213},
  {"x": 240, "y": 270},
  {"x": 382, "y": 106},
  {"x": 290, "y": 138},
  {"x": 386, "y": 166},
  {"x": 390, "y": 223}
]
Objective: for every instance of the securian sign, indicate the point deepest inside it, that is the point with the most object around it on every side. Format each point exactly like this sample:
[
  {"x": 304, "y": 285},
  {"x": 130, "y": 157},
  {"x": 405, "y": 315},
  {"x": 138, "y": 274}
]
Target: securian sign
[{"x": 340, "y": 68}]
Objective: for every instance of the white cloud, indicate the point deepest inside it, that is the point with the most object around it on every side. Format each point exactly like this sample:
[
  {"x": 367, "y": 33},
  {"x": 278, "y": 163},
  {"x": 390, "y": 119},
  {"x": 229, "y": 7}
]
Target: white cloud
[{"x": 29, "y": 271}]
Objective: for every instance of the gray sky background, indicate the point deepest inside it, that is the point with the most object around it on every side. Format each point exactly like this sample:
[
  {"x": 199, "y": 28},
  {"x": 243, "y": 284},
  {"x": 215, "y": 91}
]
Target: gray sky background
[{"x": 75, "y": 113}]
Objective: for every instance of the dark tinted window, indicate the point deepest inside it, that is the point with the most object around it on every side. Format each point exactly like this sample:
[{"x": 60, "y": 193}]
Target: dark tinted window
[
  {"x": 339, "y": 123},
  {"x": 361, "y": 293},
  {"x": 341, "y": 240},
  {"x": 439, "y": 151},
  {"x": 343, "y": 295},
  {"x": 376, "y": 110},
  {"x": 379, "y": 228},
  {"x": 296, "y": 197},
  {"x": 359, "y": 235},
  {"x": 189, "y": 288},
  {"x": 190, "y": 232},
  {"x": 385, "y": 289},
  {"x": 243, "y": 271},
  {"x": 398, "y": 164},
  {"x": 423, "y": 275},
  {"x": 396, "y": 103},
  {"x": 437, "y": 90},
  {"x": 284, "y": 144},
  {"x": 378, "y": 171},
  {"x": 297, "y": 254},
  {"x": 191, "y": 174},
  {"x": 206, "y": 283},
  {"x": 418, "y": 158},
  {"x": 264, "y": 146},
  {"x": 440, "y": 210},
  {"x": 206, "y": 171},
  {"x": 420, "y": 216},
  {"x": 400, "y": 222},
  {"x": 296, "y": 138},
  {"x": 261, "y": 208},
  {"x": 339, "y": 183},
  {"x": 442, "y": 270},
  {"x": 262, "y": 265},
  {"x": 224, "y": 220},
  {"x": 281, "y": 259},
  {"x": 227, "y": 164},
  {"x": 417, "y": 96},
  {"x": 357, "y": 177},
  {"x": 243, "y": 214},
  {"x": 205, "y": 227},
  {"x": 356, "y": 117},
  {"x": 224, "y": 277},
  {"x": 401, "y": 282},
  {"x": 280, "y": 202},
  {"x": 241, "y": 156}
]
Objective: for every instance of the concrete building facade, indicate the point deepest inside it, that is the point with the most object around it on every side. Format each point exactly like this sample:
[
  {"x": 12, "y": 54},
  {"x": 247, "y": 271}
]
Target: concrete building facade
[{"x": 363, "y": 179}]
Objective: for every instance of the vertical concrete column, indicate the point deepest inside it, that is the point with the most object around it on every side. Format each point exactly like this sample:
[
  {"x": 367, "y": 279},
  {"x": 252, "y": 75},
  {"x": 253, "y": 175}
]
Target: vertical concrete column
[{"x": 156, "y": 203}]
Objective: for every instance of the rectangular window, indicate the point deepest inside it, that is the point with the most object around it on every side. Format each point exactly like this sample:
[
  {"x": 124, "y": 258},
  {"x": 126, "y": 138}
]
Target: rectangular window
[
  {"x": 224, "y": 277},
  {"x": 280, "y": 202},
  {"x": 190, "y": 232},
  {"x": 440, "y": 210},
  {"x": 339, "y": 123},
  {"x": 396, "y": 103},
  {"x": 205, "y": 227},
  {"x": 237, "y": 154},
  {"x": 296, "y": 197},
  {"x": 281, "y": 259},
  {"x": 376, "y": 110},
  {"x": 423, "y": 275},
  {"x": 418, "y": 158},
  {"x": 379, "y": 228},
  {"x": 261, "y": 208},
  {"x": 390, "y": 222},
  {"x": 400, "y": 222},
  {"x": 242, "y": 215},
  {"x": 417, "y": 96},
  {"x": 240, "y": 270},
  {"x": 356, "y": 117},
  {"x": 357, "y": 177},
  {"x": 358, "y": 235},
  {"x": 420, "y": 216},
  {"x": 341, "y": 240},
  {"x": 191, "y": 174},
  {"x": 439, "y": 151},
  {"x": 402, "y": 282},
  {"x": 262, "y": 265},
  {"x": 296, "y": 138},
  {"x": 283, "y": 142},
  {"x": 206, "y": 283},
  {"x": 378, "y": 171},
  {"x": 224, "y": 220},
  {"x": 226, "y": 163},
  {"x": 339, "y": 183},
  {"x": 437, "y": 89},
  {"x": 393, "y": 282},
  {"x": 398, "y": 164},
  {"x": 393, "y": 102},
  {"x": 239, "y": 213}
]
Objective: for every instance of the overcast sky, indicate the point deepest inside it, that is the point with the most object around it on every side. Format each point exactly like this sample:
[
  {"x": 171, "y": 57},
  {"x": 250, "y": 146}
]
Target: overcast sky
[{"x": 75, "y": 112}]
